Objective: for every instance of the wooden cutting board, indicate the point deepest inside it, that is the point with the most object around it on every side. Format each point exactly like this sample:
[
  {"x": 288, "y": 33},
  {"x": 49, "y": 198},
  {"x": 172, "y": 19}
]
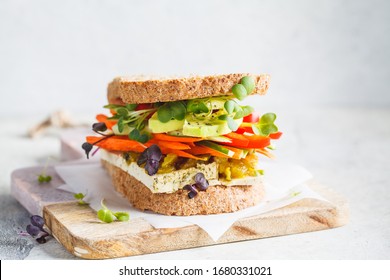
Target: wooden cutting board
[{"x": 79, "y": 230}]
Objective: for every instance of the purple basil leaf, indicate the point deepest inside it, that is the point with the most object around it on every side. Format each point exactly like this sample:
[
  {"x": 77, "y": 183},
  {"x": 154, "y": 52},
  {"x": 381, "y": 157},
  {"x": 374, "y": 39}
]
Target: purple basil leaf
[
  {"x": 34, "y": 231},
  {"x": 154, "y": 153},
  {"x": 201, "y": 182},
  {"x": 37, "y": 221}
]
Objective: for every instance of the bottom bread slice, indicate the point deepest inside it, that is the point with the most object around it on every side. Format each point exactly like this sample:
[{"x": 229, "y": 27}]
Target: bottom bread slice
[{"x": 216, "y": 199}]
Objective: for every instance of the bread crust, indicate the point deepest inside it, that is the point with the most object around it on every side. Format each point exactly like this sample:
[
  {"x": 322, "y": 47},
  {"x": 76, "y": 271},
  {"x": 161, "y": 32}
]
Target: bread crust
[
  {"x": 137, "y": 90},
  {"x": 215, "y": 200}
]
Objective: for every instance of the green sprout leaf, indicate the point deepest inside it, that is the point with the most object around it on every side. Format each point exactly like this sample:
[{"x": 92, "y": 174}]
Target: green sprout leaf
[
  {"x": 122, "y": 216},
  {"x": 239, "y": 113},
  {"x": 247, "y": 110},
  {"x": 107, "y": 216},
  {"x": 121, "y": 125},
  {"x": 249, "y": 83},
  {"x": 43, "y": 178},
  {"x": 136, "y": 135},
  {"x": 112, "y": 106},
  {"x": 80, "y": 198},
  {"x": 171, "y": 110},
  {"x": 131, "y": 107},
  {"x": 164, "y": 114},
  {"x": 239, "y": 91},
  {"x": 266, "y": 125},
  {"x": 223, "y": 117},
  {"x": 197, "y": 107},
  {"x": 233, "y": 126},
  {"x": 122, "y": 111},
  {"x": 229, "y": 106},
  {"x": 178, "y": 110}
]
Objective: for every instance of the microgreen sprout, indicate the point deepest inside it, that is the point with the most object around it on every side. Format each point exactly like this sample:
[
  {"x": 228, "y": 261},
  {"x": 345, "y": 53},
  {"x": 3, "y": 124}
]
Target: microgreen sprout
[
  {"x": 295, "y": 194},
  {"x": 36, "y": 230},
  {"x": 259, "y": 172},
  {"x": 246, "y": 86},
  {"x": 139, "y": 136},
  {"x": 43, "y": 178},
  {"x": 265, "y": 126},
  {"x": 128, "y": 116},
  {"x": 248, "y": 83},
  {"x": 171, "y": 110},
  {"x": 108, "y": 216},
  {"x": 234, "y": 112},
  {"x": 239, "y": 91},
  {"x": 80, "y": 198}
]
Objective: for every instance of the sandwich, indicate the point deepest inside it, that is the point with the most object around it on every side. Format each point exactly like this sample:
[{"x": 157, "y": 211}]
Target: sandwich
[{"x": 185, "y": 146}]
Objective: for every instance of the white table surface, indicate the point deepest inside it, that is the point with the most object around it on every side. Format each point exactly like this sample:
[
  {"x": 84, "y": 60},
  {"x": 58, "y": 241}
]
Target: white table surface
[{"x": 347, "y": 149}]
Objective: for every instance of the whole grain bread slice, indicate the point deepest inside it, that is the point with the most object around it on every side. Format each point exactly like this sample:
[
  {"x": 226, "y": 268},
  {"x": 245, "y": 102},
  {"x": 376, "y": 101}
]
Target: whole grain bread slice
[
  {"x": 140, "y": 89},
  {"x": 215, "y": 200}
]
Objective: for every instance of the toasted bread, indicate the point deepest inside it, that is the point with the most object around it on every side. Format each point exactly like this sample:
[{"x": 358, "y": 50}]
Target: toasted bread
[
  {"x": 215, "y": 200},
  {"x": 137, "y": 90}
]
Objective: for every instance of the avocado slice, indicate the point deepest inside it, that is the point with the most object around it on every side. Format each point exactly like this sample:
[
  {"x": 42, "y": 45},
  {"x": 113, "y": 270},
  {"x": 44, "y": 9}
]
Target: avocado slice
[
  {"x": 159, "y": 127},
  {"x": 207, "y": 128}
]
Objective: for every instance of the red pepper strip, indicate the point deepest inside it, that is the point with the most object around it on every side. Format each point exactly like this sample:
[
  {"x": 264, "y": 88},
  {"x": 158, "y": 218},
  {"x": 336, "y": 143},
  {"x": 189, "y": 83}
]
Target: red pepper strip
[
  {"x": 257, "y": 141},
  {"x": 237, "y": 140},
  {"x": 243, "y": 129},
  {"x": 276, "y": 135}
]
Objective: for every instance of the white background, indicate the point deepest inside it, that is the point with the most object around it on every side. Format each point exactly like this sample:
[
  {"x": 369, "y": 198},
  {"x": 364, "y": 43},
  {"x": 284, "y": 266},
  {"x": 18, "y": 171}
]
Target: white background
[{"x": 62, "y": 54}]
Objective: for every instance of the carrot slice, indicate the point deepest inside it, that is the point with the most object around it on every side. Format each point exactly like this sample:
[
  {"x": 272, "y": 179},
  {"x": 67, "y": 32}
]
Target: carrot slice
[
  {"x": 166, "y": 137},
  {"x": 116, "y": 143},
  {"x": 181, "y": 153},
  {"x": 104, "y": 118},
  {"x": 203, "y": 150},
  {"x": 265, "y": 152},
  {"x": 237, "y": 152},
  {"x": 170, "y": 144}
]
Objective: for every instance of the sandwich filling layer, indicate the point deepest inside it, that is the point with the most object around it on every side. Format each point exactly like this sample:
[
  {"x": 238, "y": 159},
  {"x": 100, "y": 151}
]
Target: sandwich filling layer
[{"x": 173, "y": 181}]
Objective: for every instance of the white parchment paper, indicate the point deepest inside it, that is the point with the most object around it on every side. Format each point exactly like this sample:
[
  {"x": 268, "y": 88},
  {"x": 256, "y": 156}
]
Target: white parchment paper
[{"x": 284, "y": 185}]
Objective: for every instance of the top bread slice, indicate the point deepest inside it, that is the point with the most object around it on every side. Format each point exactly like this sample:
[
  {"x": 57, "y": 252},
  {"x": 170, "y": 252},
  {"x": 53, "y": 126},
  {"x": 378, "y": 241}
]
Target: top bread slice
[{"x": 137, "y": 90}]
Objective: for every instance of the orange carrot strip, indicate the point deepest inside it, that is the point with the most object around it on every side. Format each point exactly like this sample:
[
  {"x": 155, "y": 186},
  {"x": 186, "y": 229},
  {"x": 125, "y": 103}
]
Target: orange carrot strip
[
  {"x": 237, "y": 152},
  {"x": 202, "y": 150},
  {"x": 265, "y": 152},
  {"x": 117, "y": 144},
  {"x": 166, "y": 137},
  {"x": 182, "y": 154},
  {"x": 104, "y": 118},
  {"x": 169, "y": 144}
]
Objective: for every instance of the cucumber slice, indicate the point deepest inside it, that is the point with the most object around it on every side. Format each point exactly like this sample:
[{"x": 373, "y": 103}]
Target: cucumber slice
[{"x": 216, "y": 147}]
